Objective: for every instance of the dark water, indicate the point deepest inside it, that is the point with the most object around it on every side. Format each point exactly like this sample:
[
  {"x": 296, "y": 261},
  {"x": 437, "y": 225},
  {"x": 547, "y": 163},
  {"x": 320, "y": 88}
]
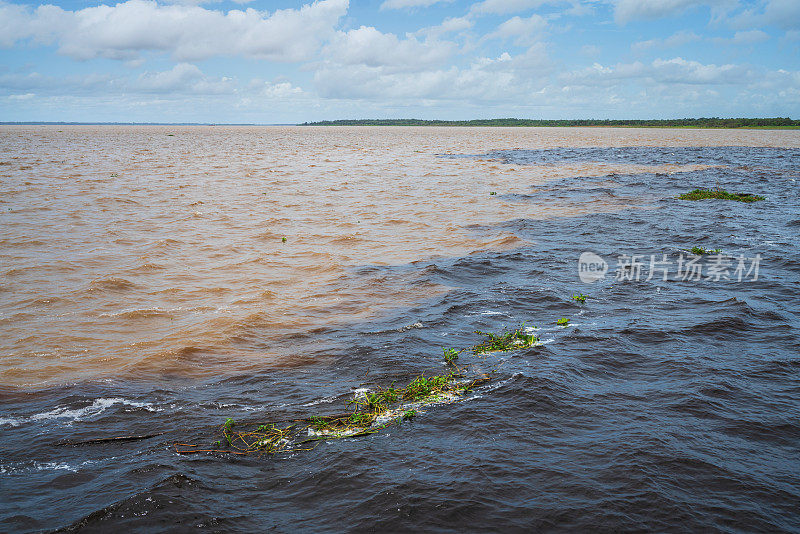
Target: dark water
[{"x": 665, "y": 405}]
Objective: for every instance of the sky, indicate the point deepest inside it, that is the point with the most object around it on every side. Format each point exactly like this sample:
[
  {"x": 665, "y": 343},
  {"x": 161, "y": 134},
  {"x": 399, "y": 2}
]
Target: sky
[{"x": 275, "y": 61}]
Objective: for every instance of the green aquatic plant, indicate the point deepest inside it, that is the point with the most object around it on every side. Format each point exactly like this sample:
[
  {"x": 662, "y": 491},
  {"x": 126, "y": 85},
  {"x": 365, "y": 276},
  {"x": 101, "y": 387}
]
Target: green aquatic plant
[
  {"x": 580, "y": 297},
  {"x": 505, "y": 341},
  {"x": 318, "y": 423},
  {"x": 283, "y": 240},
  {"x": 700, "y": 251},
  {"x": 450, "y": 355},
  {"x": 562, "y": 322},
  {"x": 369, "y": 411},
  {"x": 226, "y": 430},
  {"x": 702, "y": 194},
  {"x": 493, "y": 193},
  {"x": 424, "y": 387},
  {"x": 373, "y": 412}
]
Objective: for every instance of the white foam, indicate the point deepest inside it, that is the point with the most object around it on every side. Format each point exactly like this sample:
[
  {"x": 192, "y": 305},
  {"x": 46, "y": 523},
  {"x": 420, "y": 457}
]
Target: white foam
[
  {"x": 19, "y": 468},
  {"x": 96, "y": 408},
  {"x": 323, "y": 400}
]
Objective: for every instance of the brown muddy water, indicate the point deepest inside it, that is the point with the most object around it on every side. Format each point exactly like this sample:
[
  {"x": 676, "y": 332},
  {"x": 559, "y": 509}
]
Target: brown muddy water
[{"x": 144, "y": 250}]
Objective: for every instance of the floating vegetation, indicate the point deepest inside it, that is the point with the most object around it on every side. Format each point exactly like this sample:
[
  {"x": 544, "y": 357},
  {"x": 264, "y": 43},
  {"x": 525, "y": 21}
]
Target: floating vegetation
[
  {"x": 580, "y": 297},
  {"x": 702, "y": 194},
  {"x": 493, "y": 193},
  {"x": 700, "y": 251},
  {"x": 283, "y": 240},
  {"x": 369, "y": 411},
  {"x": 562, "y": 322},
  {"x": 506, "y": 341},
  {"x": 372, "y": 411},
  {"x": 450, "y": 355}
]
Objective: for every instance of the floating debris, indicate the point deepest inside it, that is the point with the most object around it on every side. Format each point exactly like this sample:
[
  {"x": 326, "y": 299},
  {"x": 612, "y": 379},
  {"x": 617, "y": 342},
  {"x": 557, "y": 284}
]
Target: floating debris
[
  {"x": 700, "y": 251},
  {"x": 702, "y": 194},
  {"x": 369, "y": 410},
  {"x": 450, "y": 355},
  {"x": 372, "y": 412},
  {"x": 506, "y": 341}
]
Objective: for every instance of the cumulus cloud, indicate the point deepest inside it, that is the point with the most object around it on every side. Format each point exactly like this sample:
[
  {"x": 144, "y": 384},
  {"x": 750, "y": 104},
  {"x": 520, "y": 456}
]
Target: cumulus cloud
[
  {"x": 483, "y": 80},
  {"x": 188, "y": 33},
  {"x": 182, "y": 79},
  {"x": 372, "y": 48},
  {"x": 524, "y": 30},
  {"x": 667, "y": 71}
]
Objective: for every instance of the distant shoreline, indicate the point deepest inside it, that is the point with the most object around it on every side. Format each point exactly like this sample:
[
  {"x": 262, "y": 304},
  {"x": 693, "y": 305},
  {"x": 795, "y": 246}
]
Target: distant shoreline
[
  {"x": 761, "y": 123},
  {"x": 776, "y": 123}
]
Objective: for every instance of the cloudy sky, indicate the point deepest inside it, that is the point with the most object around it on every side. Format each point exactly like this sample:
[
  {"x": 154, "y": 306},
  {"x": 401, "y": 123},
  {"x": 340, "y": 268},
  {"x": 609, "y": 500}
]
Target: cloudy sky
[{"x": 275, "y": 61}]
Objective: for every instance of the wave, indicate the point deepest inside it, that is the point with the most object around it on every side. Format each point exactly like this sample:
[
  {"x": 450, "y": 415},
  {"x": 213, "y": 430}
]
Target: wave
[{"x": 71, "y": 415}]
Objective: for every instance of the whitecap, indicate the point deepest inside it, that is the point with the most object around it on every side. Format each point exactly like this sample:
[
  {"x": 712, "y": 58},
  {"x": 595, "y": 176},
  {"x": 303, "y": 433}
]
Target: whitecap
[{"x": 63, "y": 412}]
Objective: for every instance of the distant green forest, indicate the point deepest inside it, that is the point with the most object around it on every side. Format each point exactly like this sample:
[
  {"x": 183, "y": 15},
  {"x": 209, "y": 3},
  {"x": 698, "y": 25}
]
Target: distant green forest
[{"x": 712, "y": 122}]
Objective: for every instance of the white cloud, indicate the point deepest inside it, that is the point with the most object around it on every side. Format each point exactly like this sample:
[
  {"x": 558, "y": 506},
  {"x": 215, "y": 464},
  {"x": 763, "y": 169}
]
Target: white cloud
[
  {"x": 280, "y": 90},
  {"x": 744, "y": 38},
  {"x": 628, "y": 10},
  {"x": 666, "y": 71},
  {"x": 502, "y": 7},
  {"x": 484, "y": 80},
  {"x": 402, "y": 4},
  {"x": 182, "y": 78},
  {"x": 784, "y": 14},
  {"x": 448, "y": 25},
  {"x": 679, "y": 70},
  {"x": 370, "y": 47},
  {"x": 677, "y": 39},
  {"x": 524, "y": 30},
  {"x": 188, "y": 33}
]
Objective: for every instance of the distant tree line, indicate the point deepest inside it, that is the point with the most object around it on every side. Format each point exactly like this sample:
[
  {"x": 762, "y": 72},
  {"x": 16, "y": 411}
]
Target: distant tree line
[{"x": 704, "y": 122}]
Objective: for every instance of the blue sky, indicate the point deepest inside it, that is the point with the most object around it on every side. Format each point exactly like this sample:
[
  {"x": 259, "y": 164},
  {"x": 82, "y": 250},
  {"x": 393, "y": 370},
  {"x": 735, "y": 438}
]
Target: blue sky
[{"x": 271, "y": 61}]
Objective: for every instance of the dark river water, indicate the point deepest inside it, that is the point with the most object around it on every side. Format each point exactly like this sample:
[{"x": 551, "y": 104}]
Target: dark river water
[{"x": 665, "y": 405}]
